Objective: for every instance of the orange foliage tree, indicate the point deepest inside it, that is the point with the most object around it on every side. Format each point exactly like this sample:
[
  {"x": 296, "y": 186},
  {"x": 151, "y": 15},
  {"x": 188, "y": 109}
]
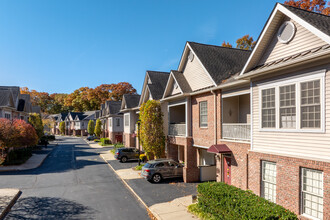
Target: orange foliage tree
[
  {"x": 319, "y": 6},
  {"x": 224, "y": 44}
]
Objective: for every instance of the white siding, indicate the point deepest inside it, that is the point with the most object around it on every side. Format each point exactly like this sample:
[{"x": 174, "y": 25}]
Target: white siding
[
  {"x": 307, "y": 145},
  {"x": 196, "y": 76},
  {"x": 302, "y": 41}
]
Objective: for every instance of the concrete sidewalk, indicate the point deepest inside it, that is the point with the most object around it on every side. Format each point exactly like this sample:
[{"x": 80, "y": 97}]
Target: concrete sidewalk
[
  {"x": 161, "y": 211},
  {"x": 8, "y": 197},
  {"x": 33, "y": 162}
]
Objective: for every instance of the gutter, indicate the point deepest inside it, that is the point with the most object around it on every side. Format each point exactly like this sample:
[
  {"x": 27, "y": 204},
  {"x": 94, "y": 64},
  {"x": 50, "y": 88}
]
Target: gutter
[{"x": 284, "y": 66}]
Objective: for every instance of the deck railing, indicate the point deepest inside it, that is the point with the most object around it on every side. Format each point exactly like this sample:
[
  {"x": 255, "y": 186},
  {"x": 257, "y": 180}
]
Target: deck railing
[
  {"x": 236, "y": 131},
  {"x": 177, "y": 129}
]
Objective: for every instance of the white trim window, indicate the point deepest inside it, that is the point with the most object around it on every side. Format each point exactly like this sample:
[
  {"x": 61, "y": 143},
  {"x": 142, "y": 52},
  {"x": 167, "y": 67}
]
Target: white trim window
[
  {"x": 295, "y": 104},
  {"x": 310, "y": 104},
  {"x": 126, "y": 119},
  {"x": 7, "y": 115},
  {"x": 110, "y": 122},
  {"x": 203, "y": 114},
  {"x": 268, "y": 108},
  {"x": 288, "y": 106},
  {"x": 312, "y": 193},
  {"x": 268, "y": 180}
]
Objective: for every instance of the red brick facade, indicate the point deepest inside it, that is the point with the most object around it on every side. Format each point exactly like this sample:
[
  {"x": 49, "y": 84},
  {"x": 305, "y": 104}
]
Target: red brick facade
[
  {"x": 112, "y": 137},
  {"x": 129, "y": 140},
  {"x": 288, "y": 179}
]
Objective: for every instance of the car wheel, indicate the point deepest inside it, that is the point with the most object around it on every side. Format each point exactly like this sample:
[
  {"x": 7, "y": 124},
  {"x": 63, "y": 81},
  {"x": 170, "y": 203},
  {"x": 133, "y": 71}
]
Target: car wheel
[
  {"x": 156, "y": 178},
  {"x": 123, "y": 159}
]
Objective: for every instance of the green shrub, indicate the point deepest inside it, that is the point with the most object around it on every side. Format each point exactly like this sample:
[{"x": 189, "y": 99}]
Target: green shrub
[
  {"x": 139, "y": 167},
  {"x": 19, "y": 156},
  {"x": 105, "y": 141},
  {"x": 96, "y": 140},
  {"x": 227, "y": 202}
]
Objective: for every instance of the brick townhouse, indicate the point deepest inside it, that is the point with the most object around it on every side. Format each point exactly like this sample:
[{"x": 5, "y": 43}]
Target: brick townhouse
[
  {"x": 153, "y": 89},
  {"x": 194, "y": 104},
  {"x": 128, "y": 107},
  {"x": 14, "y": 105},
  {"x": 289, "y": 159},
  {"x": 115, "y": 121}
]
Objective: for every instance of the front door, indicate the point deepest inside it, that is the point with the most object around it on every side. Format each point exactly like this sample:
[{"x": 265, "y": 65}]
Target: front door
[{"x": 227, "y": 170}]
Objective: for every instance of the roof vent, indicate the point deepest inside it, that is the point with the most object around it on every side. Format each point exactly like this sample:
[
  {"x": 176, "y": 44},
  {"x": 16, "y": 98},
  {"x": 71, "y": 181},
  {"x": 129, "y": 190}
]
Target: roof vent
[
  {"x": 286, "y": 32},
  {"x": 191, "y": 56}
]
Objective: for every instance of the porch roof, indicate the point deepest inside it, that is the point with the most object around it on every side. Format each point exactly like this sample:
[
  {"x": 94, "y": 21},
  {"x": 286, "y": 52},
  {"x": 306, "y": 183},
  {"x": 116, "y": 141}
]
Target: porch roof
[{"x": 219, "y": 149}]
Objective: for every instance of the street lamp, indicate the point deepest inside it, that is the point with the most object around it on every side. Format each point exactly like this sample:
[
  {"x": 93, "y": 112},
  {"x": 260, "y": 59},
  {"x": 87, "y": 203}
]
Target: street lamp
[{"x": 138, "y": 123}]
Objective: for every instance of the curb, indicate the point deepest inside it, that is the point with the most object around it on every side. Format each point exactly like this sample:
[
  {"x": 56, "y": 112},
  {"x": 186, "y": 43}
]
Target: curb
[
  {"x": 10, "y": 205},
  {"x": 151, "y": 214},
  {"x": 41, "y": 162}
]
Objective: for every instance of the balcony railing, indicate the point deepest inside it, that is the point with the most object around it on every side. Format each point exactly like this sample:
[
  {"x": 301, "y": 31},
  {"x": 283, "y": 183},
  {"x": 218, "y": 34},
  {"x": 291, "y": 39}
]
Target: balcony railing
[
  {"x": 236, "y": 131},
  {"x": 177, "y": 129}
]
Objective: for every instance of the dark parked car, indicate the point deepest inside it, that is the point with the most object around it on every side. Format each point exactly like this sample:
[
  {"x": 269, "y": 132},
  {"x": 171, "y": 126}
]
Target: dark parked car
[
  {"x": 127, "y": 153},
  {"x": 157, "y": 170},
  {"x": 91, "y": 138}
]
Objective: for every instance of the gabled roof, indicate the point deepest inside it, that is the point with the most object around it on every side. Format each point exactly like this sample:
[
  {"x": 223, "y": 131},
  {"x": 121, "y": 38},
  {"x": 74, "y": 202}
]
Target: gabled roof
[
  {"x": 319, "y": 21},
  {"x": 6, "y": 98},
  {"x": 15, "y": 91},
  {"x": 316, "y": 23},
  {"x": 158, "y": 83},
  {"x": 130, "y": 101},
  {"x": 182, "y": 82},
  {"x": 220, "y": 62},
  {"x": 114, "y": 107}
]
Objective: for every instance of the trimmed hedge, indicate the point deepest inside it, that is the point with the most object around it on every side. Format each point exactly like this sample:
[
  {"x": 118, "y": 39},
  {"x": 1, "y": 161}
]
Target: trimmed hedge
[
  {"x": 228, "y": 202},
  {"x": 105, "y": 141}
]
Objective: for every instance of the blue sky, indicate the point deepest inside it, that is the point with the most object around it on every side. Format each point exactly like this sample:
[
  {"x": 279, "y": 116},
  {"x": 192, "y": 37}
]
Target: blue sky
[{"x": 60, "y": 45}]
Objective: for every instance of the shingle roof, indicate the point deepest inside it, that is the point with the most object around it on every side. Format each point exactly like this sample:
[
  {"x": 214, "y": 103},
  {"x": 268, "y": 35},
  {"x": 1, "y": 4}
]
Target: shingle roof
[
  {"x": 14, "y": 89},
  {"x": 132, "y": 100},
  {"x": 319, "y": 21},
  {"x": 63, "y": 116},
  {"x": 6, "y": 98},
  {"x": 183, "y": 84},
  {"x": 114, "y": 106},
  {"x": 158, "y": 80},
  {"x": 220, "y": 62}
]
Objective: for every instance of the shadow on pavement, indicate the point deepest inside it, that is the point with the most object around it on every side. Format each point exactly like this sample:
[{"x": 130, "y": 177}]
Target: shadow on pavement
[{"x": 49, "y": 208}]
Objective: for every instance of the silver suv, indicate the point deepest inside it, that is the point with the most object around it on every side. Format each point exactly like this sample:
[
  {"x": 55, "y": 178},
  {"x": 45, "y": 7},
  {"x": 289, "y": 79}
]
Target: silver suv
[
  {"x": 127, "y": 153},
  {"x": 157, "y": 170}
]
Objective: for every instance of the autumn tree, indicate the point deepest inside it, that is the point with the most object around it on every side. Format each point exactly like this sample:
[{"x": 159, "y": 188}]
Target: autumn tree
[
  {"x": 41, "y": 99},
  {"x": 62, "y": 127},
  {"x": 36, "y": 122},
  {"x": 246, "y": 43},
  {"x": 319, "y": 6},
  {"x": 224, "y": 44},
  {"x": 151, "y": 128},
  {"x": 90, "y": 127},
  {"x": 26, "y": 135},
  {"x": 98, "y": 126}
]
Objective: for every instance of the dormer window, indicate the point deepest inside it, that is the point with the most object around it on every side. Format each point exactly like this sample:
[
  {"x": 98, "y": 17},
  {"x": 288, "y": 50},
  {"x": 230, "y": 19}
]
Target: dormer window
[{"x": 286, "y": 32}]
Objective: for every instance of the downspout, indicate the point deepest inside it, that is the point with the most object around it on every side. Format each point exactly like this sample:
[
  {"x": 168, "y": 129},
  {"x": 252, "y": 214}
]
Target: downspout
[{"x": 215, "y": 117}]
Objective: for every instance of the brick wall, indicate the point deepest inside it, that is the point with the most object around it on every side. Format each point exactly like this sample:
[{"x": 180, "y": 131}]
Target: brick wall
[
  {"x": 288, "y": 179},
  {"x": 205, "y": 136},
  {"x": 239, "y": 163},
  {"x": 128, "y": 140}
]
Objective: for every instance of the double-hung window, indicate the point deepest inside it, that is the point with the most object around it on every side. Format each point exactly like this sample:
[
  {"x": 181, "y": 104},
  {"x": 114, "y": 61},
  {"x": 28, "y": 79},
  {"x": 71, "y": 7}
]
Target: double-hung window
[
  {"x": 110, "y": 122},
  {"x": 312, "y": 192},
  {"x": 310, "y": 104},
  {"x": 7, "y": 115},
  {"x": 268, "y": 180},
  {"x": 203, "y": 114},
  {"x": 295, "y": 104},
  {"x": 126, "y": 118},
  {"x": 118, "y": 122},
  {"x": 268, "y": 108}
]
